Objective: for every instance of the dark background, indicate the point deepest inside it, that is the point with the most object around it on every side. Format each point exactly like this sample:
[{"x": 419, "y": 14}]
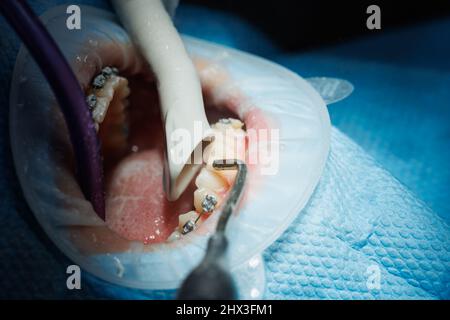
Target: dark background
[{"x": 324, "y": 22}]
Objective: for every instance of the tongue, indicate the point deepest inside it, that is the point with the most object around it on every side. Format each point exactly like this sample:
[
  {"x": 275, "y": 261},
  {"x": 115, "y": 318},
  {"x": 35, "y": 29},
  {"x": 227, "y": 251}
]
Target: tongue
[{"x": 136, "y": 206}]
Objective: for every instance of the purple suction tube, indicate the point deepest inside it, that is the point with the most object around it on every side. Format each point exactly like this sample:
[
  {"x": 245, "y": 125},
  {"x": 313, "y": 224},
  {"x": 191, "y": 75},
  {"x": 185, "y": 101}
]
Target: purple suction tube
[{"x": 68, "y": 94}]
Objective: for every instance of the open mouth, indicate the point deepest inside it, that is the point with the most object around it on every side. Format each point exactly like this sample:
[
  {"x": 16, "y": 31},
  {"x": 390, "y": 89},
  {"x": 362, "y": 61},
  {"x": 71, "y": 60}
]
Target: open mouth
[
  {"x": 123, "y": 98},
  {"x": 234, "y": 85}
]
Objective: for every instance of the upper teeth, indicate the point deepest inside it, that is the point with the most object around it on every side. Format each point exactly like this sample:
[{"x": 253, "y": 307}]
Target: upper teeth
[
  {"x": 107, "y": 71},
  {"x": 211, "y": 184},
  {"x": 91, "y": 101},
  {"x": 99, "y": 81},
  {"x": 102, "y": 90}
]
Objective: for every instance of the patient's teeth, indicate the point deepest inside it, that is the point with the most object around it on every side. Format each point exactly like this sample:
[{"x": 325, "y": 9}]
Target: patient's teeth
[
  {"x": 109, "y": 71},
  {"x": 209, "y": 203},
  {"x": 107, "y": 88},
  {"x": 236, "y": 123},
  {"x": 100, "y": 110},
  {"x": 229, "y": 143},
  {"x": 210, "y": 180},
  {"x": 185, "y": 218},
  {"x": 200, "y": 200},
  {"x": 176, "y": 235},
  {"x": 228, "y": 123},
  {"x": 91, "y": 101},
  {"x": 99, "y": 81}
]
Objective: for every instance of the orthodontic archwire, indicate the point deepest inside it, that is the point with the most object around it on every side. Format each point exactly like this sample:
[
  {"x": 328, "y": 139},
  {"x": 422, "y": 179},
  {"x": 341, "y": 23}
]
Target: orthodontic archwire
[
  {"x": 98, "y": 83},
  {"x": 211, "y": 279},
  {"x": 208, "y": 206}
]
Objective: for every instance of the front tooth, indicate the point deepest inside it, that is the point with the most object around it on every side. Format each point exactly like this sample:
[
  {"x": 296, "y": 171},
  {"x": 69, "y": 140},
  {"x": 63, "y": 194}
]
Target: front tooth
[
  {"x": 184, "y": 218},
  {"x": 211, "y": 181}
]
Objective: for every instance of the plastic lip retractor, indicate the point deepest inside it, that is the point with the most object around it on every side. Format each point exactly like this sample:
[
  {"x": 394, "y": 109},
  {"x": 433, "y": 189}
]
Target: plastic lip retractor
[
  {"x": 211, "y": 280},
  {"x": 70, "y": 97}
]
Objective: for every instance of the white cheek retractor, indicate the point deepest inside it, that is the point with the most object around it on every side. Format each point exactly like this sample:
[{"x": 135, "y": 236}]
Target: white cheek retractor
[
  {"x": 270, "y": 201},
  {"x": 180, "y": 93}
]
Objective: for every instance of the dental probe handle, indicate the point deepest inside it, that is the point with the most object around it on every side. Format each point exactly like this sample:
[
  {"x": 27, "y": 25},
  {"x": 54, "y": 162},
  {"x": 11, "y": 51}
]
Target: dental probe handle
[
  {"x": 179, "y": 89},
  {"x": 210, "y": 280}
]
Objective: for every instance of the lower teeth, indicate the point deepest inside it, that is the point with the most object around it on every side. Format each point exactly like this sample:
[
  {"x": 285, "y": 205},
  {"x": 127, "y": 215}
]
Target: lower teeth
[{"x": 209, "y": 182}]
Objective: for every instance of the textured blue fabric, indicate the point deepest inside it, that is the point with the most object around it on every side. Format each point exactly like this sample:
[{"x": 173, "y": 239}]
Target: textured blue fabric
[
  {"x": 399, "y": 112},
  {"x": 359, "y": 217}
]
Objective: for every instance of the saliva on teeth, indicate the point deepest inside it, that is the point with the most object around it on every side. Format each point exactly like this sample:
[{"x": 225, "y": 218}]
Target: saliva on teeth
[{"x": 213, "y": 185}]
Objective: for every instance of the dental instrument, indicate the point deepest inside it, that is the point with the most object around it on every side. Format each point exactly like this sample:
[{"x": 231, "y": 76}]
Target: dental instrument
[
  {"x": 179, "y": 90},
  {"x": 234, "y": 82},
  {"x": 211, "y": 280},
  {"x": 69, "y": 95}
]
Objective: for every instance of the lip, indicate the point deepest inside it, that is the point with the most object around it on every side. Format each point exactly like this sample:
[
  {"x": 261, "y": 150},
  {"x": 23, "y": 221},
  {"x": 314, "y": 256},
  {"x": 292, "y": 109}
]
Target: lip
[{"x": 259, "y": 89}]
